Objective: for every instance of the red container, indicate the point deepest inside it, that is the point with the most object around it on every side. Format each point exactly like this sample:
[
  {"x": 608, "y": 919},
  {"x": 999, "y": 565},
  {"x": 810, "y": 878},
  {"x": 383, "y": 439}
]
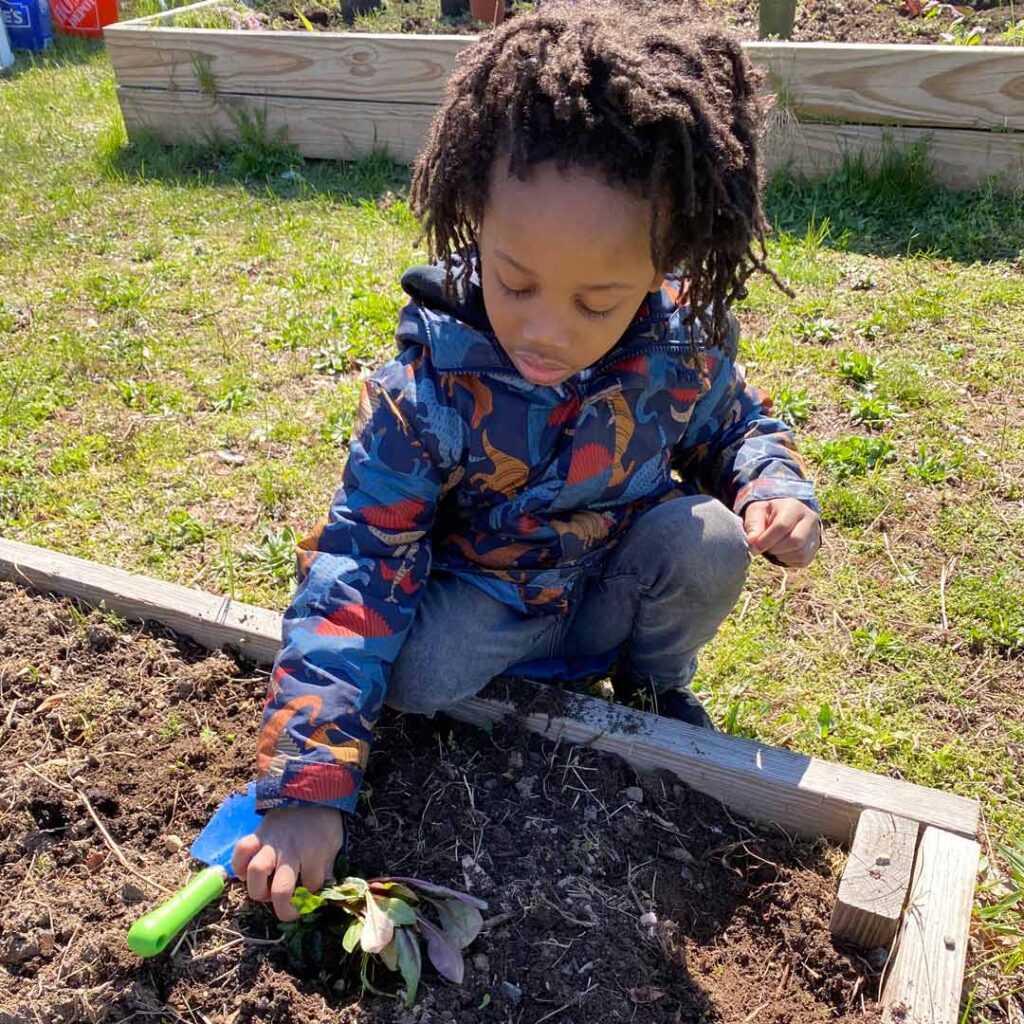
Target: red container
[{"x": 83, "y": 17}]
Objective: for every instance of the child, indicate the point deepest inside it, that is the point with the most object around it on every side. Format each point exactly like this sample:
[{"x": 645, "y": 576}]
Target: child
[{"x": 563, "y": 465}]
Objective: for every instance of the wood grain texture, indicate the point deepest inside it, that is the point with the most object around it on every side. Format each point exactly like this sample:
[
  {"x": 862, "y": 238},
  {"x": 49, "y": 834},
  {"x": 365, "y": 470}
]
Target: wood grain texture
[
  {"x": 856, "y": 83},
  {"x": 958, "y": 158},
  {"x": 318, "y": 128},
  {"x": 353, "y": 66},
  {"x": 926, "y": 974},
  {"x": 933, "y": 86},
  {"x": 876, "y": 880},
  {"x": 799, "y": 793}
]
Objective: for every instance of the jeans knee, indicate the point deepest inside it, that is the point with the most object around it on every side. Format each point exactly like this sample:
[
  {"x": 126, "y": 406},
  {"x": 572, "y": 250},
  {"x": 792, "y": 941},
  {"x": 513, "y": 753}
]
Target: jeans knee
[{"x": 704, "y": 548}]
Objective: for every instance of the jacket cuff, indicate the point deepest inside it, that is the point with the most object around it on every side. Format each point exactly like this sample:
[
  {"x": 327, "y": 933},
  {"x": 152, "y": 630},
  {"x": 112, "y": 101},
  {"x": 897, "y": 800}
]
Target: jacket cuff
[
  {"x": 767, "y": 488},
  {"x": 310, "y": 783}
]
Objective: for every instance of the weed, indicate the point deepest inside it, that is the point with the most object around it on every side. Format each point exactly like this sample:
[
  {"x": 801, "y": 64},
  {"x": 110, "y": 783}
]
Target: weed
[
  {"x": 819, "y": 332},
  {"x": 873, "y": 410},
  {"x": 171, "y": 727},
  {"x": 931, "y": 468},
  {"x": 855, "y": 455},
  {"x": 857, "y": 368},
  {"x": 792, "y": 405}
]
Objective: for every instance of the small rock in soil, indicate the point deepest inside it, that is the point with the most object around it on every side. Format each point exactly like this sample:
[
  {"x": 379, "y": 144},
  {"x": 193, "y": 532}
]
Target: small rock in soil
[
  {"x": 99, "y": 638},
  {"x": 482, "y": 963},
  {"x": 512, "y": 992},
  {"x": 172, "y": 844},
  {"x": 634, "y": 794}
]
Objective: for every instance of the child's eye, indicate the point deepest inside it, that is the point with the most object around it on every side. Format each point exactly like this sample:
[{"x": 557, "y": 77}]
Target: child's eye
[
  {"x": 594, "y": 314},
  {"x": 516, "y": 293}
]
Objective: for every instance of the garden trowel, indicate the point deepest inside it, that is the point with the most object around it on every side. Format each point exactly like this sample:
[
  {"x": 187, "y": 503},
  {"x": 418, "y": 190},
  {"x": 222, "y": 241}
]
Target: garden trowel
[{"x": 236, "y": 817}]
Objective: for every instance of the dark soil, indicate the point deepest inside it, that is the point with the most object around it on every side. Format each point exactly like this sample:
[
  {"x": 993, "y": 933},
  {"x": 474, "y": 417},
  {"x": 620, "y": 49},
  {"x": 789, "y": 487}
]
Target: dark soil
[
  {"x": 153, "y": 733},
  {"x": 842, "y": 21}
]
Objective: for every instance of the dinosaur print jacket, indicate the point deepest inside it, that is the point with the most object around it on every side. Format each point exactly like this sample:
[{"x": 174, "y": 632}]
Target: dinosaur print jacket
[{"x": 459, "y": 465}]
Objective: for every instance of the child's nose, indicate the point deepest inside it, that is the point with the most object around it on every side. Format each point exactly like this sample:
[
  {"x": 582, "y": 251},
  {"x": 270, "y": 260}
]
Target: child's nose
[{"x": 547, "y": 336}]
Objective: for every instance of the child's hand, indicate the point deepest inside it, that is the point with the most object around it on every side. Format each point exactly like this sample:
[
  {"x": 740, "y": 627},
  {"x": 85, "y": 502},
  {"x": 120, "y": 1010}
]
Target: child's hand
[
  {"x": 292, "y": 844},
  {"x": 784, "y": 530}
]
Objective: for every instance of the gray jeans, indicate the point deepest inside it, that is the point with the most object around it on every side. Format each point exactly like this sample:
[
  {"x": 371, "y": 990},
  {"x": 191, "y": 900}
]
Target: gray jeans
[{"x": 666, "y": 588}]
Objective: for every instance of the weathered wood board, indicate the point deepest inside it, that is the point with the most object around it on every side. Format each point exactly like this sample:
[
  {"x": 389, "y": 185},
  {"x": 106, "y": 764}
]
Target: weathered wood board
[
  {"x": 800, "y": 793},
  {"x": 925, "y": 976},
  {"x": 876, "y": 880}
]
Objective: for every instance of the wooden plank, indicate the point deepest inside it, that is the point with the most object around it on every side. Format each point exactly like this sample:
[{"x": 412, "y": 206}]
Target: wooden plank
[
  {"x": 959, "y": 158},
  {"x": 319, "y": 128},
  {"x": 876, "y": 880},
  {"x": 933, "y": 86},
  {"x": 799, "y": 793},
  {"x": 343, "y": 66},
  {"x": 926, "y": 975},
  {"x": 214, "y": 622},
  {"x": 858, "y": 83}
]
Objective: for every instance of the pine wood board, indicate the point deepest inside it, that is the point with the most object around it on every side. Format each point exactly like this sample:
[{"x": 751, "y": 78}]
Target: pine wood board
[
  {"x": 875, "y": 881},
  {"x": 925, "y": 977},
  {"x": 802, "y": 794},
  {"x": 857, "y": 83},
  {"x": 327, "y": 129},
  {"x": 959, "y": 158}
]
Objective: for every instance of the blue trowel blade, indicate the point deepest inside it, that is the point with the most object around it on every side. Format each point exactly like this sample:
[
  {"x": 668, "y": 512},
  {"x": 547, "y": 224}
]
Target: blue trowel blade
[{"x": 236, "y": 817}]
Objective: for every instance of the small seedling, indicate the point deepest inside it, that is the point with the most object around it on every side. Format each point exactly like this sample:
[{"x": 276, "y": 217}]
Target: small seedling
[
  {"x": 930, "y": 468},
  {"x": 872, "y": 410},
  {"x": 819, "y": 332},
  {"x": 857, "y": 368},
  {"x": 854, "y": 456},
  {"x": 385, "y": 918},
  {"x": 793, "y": 405}
]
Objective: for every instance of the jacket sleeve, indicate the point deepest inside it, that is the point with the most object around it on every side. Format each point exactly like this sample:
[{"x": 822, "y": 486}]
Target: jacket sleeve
[
  {"x": 733, "y": 447},
  {"x": 361, "y": 575}
]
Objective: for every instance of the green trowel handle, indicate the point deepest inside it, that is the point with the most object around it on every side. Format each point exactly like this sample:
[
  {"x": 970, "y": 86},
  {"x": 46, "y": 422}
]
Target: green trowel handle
[{"x": 151, "y": 934}]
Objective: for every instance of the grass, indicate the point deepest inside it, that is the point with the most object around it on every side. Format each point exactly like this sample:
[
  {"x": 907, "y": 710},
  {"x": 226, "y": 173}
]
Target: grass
[{"x": 182, "y": 332}]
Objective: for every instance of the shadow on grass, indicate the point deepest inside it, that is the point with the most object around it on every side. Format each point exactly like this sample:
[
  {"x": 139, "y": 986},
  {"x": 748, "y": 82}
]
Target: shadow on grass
[
  {"x": 262, "y": 165},
  {"x": 67, "y": 51},
  {"x": 895, "y": 208}
]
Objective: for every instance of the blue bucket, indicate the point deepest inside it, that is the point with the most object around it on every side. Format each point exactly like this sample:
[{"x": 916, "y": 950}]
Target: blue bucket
[{"x": 27, "y": 23}]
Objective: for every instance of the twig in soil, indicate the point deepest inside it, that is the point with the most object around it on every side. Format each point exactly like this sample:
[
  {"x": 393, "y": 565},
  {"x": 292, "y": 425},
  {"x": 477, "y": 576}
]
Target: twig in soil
[
  {"x": 114, "y": 848},
  {"x": 947, "y": 571},
  {"x": 572, "y": 1002},
  {"x": 248, "y": 939},
  {"x": 755, "y": 1011}
]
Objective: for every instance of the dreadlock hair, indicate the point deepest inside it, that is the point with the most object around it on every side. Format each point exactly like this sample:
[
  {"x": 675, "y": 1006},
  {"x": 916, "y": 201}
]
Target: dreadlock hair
[{"x": 649, "y": 92}]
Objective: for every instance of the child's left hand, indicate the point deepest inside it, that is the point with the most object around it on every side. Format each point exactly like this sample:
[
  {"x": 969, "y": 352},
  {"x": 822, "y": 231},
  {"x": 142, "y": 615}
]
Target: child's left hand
[{"x": 784, "y": 530}]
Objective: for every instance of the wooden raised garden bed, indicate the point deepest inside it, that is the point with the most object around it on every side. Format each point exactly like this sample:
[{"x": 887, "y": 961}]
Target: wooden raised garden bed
[
  {"x": 345, "y": 95},
  {"x": 908, "y": 882}
]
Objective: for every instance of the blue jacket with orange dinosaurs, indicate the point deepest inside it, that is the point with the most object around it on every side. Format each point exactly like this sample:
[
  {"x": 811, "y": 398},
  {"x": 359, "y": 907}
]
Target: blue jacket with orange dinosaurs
[{"x": 458, "y": 464}]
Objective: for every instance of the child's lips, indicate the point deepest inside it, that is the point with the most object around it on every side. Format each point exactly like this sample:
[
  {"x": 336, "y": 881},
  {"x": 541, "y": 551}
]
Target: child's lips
[{"x": 541, "y": 371}]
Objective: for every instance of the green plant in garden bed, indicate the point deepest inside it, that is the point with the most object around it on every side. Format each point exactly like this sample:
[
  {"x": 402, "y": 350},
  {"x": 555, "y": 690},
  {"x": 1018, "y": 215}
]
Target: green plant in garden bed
[{"x": 385, "y": 919}]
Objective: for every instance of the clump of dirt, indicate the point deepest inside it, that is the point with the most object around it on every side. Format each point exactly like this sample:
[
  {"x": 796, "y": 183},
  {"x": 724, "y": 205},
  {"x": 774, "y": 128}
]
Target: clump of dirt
[{"x": 611, "y": 898}]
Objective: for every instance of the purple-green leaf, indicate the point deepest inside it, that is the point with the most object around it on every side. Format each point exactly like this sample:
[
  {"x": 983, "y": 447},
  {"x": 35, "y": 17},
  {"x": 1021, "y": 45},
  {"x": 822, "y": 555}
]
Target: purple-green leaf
[
  {"x": 443, "y": 953},
  {"x": 461, "y": 921},
  {"x": 389, "y": 955},
  {"x": 410, "y": 961},
  {"x": 380, "y": 886},
  {"x": 398, "y": 910},
  {"x": 439, "y": 890},
  {"x": 378, "y": 928}
]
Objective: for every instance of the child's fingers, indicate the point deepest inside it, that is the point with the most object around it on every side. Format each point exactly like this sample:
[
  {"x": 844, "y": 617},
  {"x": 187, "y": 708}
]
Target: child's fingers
[
  {"x": 767, "y": 540},
  {"x": 314, "y": 874},
  {"x": 755, "y": 517},
  {"x": 257, "y": 875},
  {"x": 245, "y": 850},
  {"x": 281, "y": 889}
]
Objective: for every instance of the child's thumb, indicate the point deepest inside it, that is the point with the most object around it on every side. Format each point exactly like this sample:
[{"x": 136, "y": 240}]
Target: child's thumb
[{"x": 754, "y": 519}]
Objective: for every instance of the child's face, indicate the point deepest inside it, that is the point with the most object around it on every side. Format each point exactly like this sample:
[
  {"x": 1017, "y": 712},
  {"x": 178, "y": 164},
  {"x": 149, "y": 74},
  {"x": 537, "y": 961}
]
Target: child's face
[{"x": 566, "y": 262}]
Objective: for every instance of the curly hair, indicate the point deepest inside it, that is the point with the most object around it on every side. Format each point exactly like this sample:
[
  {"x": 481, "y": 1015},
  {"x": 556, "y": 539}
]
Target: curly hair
[{"x": 649, "y": 92}]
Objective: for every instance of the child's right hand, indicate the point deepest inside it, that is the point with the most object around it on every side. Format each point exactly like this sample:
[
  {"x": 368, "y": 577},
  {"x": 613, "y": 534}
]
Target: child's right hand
[{"x": 292, "y": 845}]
